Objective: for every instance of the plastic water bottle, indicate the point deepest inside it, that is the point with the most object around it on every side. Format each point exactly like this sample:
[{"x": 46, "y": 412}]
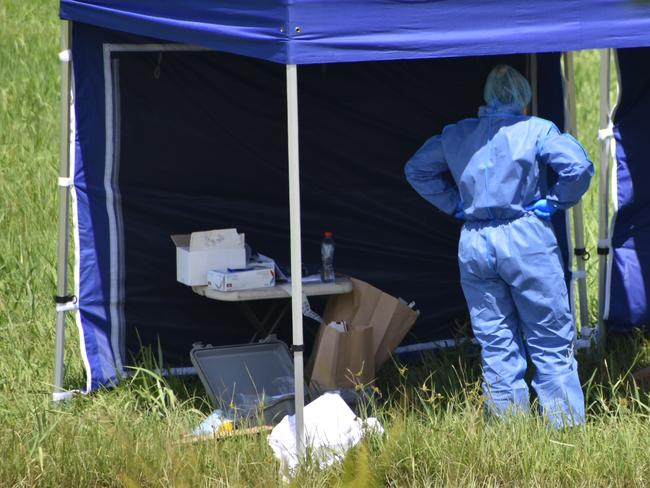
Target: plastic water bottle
[{"x": 327, "y": 256}]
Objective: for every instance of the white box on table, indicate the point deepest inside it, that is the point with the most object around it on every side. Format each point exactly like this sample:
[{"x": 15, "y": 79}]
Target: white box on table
[
  {"x": 246, "y": 279},
  {"x": 199, "y": 252},
  {"x": 259, "y": 274}
]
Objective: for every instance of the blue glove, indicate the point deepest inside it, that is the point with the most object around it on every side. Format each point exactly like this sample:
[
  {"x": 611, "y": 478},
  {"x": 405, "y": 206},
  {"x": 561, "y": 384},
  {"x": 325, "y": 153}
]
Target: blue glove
[
  {"x": 542, "y": 208},
  {"x": 459, "y": 213}
]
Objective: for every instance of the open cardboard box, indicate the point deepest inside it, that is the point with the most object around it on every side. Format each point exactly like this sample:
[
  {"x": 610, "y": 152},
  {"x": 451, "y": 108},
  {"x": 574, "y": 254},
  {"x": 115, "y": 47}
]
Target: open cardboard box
[
  {"x": 377, "y": 324},
  {"x": 199, "y": 252}
]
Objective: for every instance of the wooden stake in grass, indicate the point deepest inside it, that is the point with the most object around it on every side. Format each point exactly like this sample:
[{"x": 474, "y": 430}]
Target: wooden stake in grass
[{"x": 224, "y": 434}]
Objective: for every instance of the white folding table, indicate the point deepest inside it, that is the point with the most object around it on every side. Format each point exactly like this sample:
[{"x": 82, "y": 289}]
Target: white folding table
[{"x": 341, "y": 285}]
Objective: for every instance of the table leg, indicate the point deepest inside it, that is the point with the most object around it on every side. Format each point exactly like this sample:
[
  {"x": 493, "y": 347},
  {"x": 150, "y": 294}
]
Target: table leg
[
  {"x": 252, "y": 318},
  {"x": 265, "y": 321},
  {"x": 282, "y": 313}
]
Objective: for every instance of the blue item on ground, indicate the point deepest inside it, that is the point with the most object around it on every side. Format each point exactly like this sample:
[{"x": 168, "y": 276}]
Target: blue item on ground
[
  {"x": 510, "y": 264},
  {"x": 210, "y": 425},
  {"x": 327, "y": 257}
]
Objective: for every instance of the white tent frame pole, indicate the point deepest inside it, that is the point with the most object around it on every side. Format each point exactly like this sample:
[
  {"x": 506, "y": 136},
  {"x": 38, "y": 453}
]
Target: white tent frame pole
[
  {"x": 64, "y": 215},
  {"x": 578, "y": 219},
  {"x": 605, "y": 136},
  {"x": 296, "y": 254}
]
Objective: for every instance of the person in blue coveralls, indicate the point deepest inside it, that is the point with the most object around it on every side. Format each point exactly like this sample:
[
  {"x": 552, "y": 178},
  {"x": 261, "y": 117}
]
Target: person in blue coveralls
[{"x": 489, "y": 171}]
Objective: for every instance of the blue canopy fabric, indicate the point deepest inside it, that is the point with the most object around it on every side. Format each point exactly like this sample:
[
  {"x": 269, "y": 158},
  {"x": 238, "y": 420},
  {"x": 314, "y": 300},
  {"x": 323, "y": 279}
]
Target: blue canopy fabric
[
  {"x": 332, "y": 31},
  {"x": 628, "y": 293}
]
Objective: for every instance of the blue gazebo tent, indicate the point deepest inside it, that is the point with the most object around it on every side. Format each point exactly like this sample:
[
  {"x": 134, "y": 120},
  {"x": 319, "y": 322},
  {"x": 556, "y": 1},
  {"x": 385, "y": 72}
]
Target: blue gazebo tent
[{"x": 183, "y": 113}]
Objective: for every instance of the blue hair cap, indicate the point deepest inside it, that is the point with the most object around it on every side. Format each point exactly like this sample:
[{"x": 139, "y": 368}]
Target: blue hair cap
[{"x": 506, "y": 86}]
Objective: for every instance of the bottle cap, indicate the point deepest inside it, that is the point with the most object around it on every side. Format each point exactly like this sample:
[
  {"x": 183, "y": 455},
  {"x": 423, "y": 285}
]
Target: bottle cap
[{"x": 328, "y": 234}]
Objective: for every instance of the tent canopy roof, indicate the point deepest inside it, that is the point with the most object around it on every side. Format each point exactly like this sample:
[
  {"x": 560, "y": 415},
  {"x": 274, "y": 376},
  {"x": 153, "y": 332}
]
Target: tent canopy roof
[{"x": 328, "y": 31}]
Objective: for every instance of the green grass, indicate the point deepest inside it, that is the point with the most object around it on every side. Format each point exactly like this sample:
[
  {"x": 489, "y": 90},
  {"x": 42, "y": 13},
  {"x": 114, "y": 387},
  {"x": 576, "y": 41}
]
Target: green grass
[{"x": 131, "y": 436}]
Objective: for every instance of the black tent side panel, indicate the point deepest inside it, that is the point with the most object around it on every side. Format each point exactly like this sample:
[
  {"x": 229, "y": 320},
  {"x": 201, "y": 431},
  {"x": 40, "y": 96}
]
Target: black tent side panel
[{"x": 194, "y": 140}]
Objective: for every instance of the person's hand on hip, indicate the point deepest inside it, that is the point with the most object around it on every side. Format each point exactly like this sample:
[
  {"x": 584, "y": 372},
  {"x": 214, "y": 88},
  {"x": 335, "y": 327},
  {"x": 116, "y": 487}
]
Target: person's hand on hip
[{"x": 542, "y": 208}]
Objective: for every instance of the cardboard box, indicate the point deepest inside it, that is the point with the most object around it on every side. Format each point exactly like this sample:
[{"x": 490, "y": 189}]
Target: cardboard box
[
  {"x": 342, "y": 359},
  {"x": 402, "y": 319},
  {"x": 377, "y": 323},
  {"x": 199, "y": 252},
  {"x": 255, "y": 276}
]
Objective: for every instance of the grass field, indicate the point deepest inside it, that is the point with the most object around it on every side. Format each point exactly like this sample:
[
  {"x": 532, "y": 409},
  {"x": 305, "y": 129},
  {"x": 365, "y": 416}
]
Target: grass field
[{"x": 131, "y": 436}]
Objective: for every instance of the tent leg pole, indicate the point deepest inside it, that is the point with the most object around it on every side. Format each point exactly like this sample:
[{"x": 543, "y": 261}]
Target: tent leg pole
[
  {"x": 578, "y": 224},
  {"x": 296, "y": 257},
  {"x": 578, "y": 221},
  {"x": 567, "y": 214},
  {"x": 605, "y": 136},
  {"x": 64, "y": 196}
]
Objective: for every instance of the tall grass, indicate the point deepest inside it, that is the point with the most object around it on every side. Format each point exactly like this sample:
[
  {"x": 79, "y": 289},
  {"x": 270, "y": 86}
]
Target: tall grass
[{"x": 133, "y": 435}]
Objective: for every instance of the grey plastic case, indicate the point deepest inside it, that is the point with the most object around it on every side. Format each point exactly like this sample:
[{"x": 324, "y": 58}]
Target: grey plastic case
[{"x": 248, "y": 380}]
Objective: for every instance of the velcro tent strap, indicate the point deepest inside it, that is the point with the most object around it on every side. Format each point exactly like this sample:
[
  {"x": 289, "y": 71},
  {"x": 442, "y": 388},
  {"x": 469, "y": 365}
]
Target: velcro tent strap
[
  {"x": 65, "y": 303},
  {"x": 65, "y": 56},
  {"x": 65, "y": 298},
  {"x": 65, "y": 182},
  {"x": 66, "y": 307},
  {"x": 578, "y": 275},
  {"x": 297, "y": 348},
  {"x": 606, "y": 133},
  {"x": 582, "y": 252},
  {"x": 604, "y": 246}
]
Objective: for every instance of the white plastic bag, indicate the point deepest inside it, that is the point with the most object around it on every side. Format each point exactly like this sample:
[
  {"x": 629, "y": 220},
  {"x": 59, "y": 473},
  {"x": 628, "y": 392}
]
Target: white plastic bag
[{"x": 331, "y": 428}]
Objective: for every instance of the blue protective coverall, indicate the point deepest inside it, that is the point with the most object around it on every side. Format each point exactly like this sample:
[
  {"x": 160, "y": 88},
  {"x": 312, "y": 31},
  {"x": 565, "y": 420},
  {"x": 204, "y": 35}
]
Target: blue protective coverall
[{"x": 493, "y": 167}]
